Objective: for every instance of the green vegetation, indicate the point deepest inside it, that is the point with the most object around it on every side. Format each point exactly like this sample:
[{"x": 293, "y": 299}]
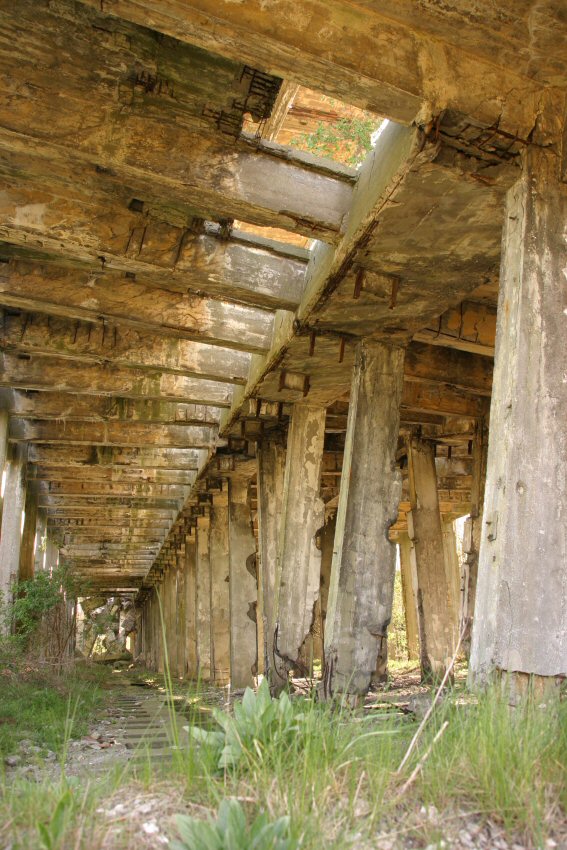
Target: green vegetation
[
  {"x": 347, "y": 140},
  {"x": 296, "y": 773},
  {"x": 231, "y": 831},
  {"x": 43, "y": 709}
]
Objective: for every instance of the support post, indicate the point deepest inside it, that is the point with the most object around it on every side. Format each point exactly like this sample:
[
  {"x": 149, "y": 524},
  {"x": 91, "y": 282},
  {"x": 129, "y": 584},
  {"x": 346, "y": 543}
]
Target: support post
[
  {"x": 243, "y": 587},
  {"x": 11, "y": 532},
  {"x": 520, "y": 618},
  {"x": 181, "y": 608},
  {"x": 4, "y": 422},
  {"x": 271, "y": 472},
  {"x": 41, "y": 541},
  {"x": 27, "y": 548},
  {"x": 473, "y": 533},
  {"x": 409, "y": 593},
  {"x": 363, "y": 567},
  {"x": 220, "y": 596},
  {"x": 203, "y": 630},
  {"x": 452, "y": 571},
  {"x": 299, "y": 559},
  {"x": 436, "y": 618},
  {"x": 192, "y": 668}
]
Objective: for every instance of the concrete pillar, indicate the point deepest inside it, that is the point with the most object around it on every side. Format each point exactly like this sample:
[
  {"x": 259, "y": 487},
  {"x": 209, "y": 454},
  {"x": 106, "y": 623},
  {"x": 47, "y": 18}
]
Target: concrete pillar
[
  {"x": 299, "y": 558},
  {"x": 453, "y": 571},
  {"x": 203, "y": 595},
  {"x": 27, "y": 547},
  {"x": 170, "y": 590},
  {"x": 327, "y": 543},
  {"x": 271, "y": 471},
  {"x": 520, "y": 618},
  {"x": 51, "y": 553},
  {"x": 11, "y": 532},
  {"x": 242, "y": 585},
  {"x": 436, "y": 617},
  {"x": 4, "y": 422},
  {"x": 473, "y": 532},
  {"x": 192, "y": 669},
  {"x": 363, "y": 569},
  {"x": 180, "y": 609},
  {"x": 41, "y": 540},
  {"x": 409, "y": 592},
  {"x": 220, "y": 596},
  {"x": 160, "y": 617}
]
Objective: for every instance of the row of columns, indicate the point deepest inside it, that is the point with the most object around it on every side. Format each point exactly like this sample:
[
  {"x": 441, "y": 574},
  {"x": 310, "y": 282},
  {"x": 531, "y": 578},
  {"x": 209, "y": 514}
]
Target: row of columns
[
  {"x": 514, "y": 588},
  {"x": 199, "y": 620}
]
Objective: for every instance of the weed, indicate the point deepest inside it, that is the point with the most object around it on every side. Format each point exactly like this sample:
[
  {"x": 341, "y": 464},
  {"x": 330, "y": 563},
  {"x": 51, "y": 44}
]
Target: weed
[{"x": 231, "y": 832}]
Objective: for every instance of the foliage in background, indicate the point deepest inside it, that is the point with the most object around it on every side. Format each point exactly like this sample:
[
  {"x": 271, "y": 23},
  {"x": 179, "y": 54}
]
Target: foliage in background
[
  {"x": 36, "y": 620},
  {"x": 397, "y": 634},
  {"x": 347, "y": 140},
  {"x": 231, "y": 832}
]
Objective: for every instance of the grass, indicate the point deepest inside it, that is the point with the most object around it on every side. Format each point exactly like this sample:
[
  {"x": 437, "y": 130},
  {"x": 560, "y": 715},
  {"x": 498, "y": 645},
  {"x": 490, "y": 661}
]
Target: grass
[
  {"x": 46, "y": 709},
  {"x": 335, "y": 777}
]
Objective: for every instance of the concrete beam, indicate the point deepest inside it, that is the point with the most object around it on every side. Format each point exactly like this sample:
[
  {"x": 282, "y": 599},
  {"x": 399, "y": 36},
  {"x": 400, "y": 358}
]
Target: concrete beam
[
  {"x": 91, "y": 297},
  {"x": 51, "y": 406},
  {"x": 113, "y": 458},
  {"x": 111, "y": 433},
  {"x": 384, "y": 64},
  {"x": 469, "y": 327},
  {"x": 88, "y": 342},
  {"x": 58, "y": 374},
  {"x": 147, "y": 149},
  {"x": 116, "y": 477}
]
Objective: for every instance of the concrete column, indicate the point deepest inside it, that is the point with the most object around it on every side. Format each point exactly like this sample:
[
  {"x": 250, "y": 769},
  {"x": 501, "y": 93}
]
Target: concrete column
[
  {"x": 203, "y": 595},
  {"x": 171, "y": 616},
  {"x": 220, "y": 596},
  {"x": 327, "y": 543},
  {"x": 27, "y": 547},
  {"x": 436, "y": 617},
  {"x": 4, "y": 422},
  {"x": 160, "y": 617},
  {"x": 409, "y": 592},
  {"x": 473, "y": 532},
  {"x": 51, "y": 554},
  {"x": 271, "y": 472},
  {"x": 520, "y": 618},
  {"x": 181, "y": 609},
  {"x": 453, "y": 571},
  {"x": 11, "y": 532},
  {"x": 298, "y": 558},
  {"x": 242, "y": 585},
  {"x": 363, "y": 569},
  {"x": 41, "y": 540},
  {"x": 191, "y": 604}
]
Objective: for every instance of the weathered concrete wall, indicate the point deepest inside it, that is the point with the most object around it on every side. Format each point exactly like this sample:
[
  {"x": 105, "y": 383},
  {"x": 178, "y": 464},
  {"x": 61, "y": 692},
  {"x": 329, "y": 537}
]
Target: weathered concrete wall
[
  {"x": 362, "y": 577},
  {"x": 520, "y": 621},
  {"x": 243, "y": 588}
]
